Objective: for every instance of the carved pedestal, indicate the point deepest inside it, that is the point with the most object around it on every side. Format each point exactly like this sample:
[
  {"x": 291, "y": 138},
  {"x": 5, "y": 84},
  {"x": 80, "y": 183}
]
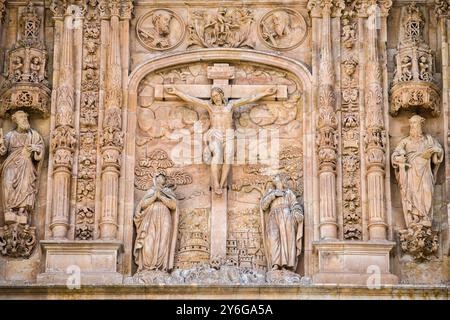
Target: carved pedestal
[
  {"x": 96, "y": 260},
  {"x": 359, "y": 263}
]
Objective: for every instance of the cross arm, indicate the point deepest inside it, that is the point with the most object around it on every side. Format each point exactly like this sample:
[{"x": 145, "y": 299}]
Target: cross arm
[
  {"x": 188, "y": 98},
  {"x": 254, "y": 98}
]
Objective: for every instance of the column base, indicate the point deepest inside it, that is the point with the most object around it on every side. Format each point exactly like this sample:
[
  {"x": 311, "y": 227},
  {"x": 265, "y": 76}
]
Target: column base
[
  {"x": 354, "y": 262},
  {"x": 95, "y": 260}
]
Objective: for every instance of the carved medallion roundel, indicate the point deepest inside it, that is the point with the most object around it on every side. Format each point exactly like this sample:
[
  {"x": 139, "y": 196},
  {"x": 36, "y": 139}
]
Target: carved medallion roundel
[
  {"x": 160, "y": 29},
  {"x": 282, "y": 29}
]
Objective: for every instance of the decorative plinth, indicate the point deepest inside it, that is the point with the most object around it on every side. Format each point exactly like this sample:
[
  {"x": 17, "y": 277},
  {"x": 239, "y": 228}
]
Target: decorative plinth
[
  {"x": 359, "y": 263},
  {"x": 95, "y": 260}
]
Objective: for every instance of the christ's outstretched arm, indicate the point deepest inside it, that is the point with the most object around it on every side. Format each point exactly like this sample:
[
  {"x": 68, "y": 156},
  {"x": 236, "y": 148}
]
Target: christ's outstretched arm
[
  {"x": 244, "y": 101},
  {"x": 188, "y": 98}
]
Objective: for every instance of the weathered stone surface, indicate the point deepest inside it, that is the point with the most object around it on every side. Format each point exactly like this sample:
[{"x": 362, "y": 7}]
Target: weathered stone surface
[{"x": 157, "y": 129}]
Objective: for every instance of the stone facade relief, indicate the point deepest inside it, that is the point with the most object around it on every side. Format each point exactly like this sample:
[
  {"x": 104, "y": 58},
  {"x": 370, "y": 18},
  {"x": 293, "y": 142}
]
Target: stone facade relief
[
  {"x": 189, "y": 97},
  {"x": 414, "y": 85},
  {"x": 160, "y": 30},
  {"x": 416, "y": 161}
]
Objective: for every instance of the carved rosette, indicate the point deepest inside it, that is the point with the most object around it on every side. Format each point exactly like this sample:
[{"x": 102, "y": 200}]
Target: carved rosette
[
  {"x": 87, "y": 159},
  {"x": 351, "y": 153},
  {"x": 414, "y": 87},
  {"x": 26, "y": 86}
]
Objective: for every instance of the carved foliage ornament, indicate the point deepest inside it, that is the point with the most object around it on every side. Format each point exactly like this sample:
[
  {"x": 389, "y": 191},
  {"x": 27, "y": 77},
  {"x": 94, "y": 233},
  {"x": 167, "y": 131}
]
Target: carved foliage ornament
[
  {"x": 282, "y": 29},
  {"x": 160, "y": 29},
  {"x": 227, "y": 27}
]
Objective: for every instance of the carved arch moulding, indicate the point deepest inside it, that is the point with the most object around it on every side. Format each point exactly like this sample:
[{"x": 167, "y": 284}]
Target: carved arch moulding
[{"x": 239, "y": 73}]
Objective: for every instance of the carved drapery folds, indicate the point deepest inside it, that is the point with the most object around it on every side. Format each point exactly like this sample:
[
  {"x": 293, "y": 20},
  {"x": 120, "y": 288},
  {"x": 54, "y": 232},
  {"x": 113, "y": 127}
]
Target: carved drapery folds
[
  {"x": 327, "y": 124},
  {"x": 375, "y": 136},
  {"x": 414, "y": 85},
  {"x": 26, "y": 85},
  {"x": 64, "y": 140},
  {"x": 416, "y": 161},
  {"x": 111, "y": 140}
]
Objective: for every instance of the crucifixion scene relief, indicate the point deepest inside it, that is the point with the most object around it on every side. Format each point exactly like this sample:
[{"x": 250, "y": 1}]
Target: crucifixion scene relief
[{"x": 202, "y": 149}]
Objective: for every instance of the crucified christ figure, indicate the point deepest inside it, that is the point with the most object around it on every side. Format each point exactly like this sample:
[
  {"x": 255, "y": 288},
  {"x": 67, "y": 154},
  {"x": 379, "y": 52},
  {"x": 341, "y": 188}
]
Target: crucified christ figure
[{"x": 221, "y": 114}]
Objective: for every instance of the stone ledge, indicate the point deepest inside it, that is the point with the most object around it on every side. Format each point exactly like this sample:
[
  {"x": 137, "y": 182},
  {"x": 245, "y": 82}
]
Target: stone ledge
[{"x": 191, "y": 292}]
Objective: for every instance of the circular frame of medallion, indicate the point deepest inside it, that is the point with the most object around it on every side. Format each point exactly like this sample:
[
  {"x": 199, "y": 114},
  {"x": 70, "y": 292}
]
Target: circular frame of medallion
[
  {"x": 287, "y": 14},
  {"x": 159, "y": 44}
]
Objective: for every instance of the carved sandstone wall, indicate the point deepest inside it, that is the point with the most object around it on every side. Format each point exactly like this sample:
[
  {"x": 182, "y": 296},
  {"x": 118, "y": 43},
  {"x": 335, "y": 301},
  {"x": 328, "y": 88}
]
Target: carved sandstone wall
[{"x": 323, "y": 93}]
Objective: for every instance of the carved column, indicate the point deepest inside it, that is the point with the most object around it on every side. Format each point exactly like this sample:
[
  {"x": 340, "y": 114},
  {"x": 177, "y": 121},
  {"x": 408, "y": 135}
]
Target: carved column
[
  {"x": 375, "y": 139},
  {"x": 112, "y": 135},
  {"x": 64, "y": 136},
  {"x": 326, "y": 130}
]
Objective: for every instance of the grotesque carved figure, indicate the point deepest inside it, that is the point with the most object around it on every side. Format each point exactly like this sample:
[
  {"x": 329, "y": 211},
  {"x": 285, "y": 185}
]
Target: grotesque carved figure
[
  {"x": 282, "y": 224},
  {"x": 220, "y": 145},
  {"x": 24, "y": 148},
  {"x": 416, "y": 161},
  {"x": 156, "y": 221}
]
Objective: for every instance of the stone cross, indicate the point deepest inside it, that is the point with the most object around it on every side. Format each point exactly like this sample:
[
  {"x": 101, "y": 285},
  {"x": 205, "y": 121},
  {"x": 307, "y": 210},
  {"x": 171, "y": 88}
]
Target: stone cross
[{"x": 220, "y": 74}]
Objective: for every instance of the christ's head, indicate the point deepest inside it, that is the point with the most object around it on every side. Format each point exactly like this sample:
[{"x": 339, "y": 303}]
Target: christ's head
[
  {"x": 20, "y": 118},
  {"x": 217, "y": 96},
  {"x": 416, "y": 126}
]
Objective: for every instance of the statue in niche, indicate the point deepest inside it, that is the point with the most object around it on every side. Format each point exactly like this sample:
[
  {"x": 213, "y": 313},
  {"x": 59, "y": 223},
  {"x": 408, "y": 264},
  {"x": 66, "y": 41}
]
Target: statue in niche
[
  {"x": 282, "y": 226},
  {"x": 17, "y": 66},
  {"x": 416, "y": 161},
  {"x": 156, "y": 221},
  {"x": 19, "y": 173},
  {"x": 220, "y": 144}
]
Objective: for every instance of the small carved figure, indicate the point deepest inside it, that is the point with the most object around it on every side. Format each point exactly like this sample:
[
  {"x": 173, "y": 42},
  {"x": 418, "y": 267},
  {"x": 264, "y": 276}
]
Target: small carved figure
[
  {"x": 424, "y": 69},
  {"x": 282, "y": 225},
  {"x": 406, "y": 68},
  {"x": 156, "y": 221},
  {"x": 348, "y": 32},
  {"x": 35, "y": 68},
  {"x": 19, "y": 173},
  {"x": 17, "y": 66}
]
